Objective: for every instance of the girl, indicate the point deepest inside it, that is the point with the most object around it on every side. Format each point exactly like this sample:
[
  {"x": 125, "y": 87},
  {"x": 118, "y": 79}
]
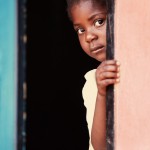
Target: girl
[{"x": 89, "y": 21}]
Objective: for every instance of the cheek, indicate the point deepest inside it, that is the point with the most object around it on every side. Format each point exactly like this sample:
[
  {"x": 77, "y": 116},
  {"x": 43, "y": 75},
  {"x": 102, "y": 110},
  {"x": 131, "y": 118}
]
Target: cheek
[
  {"x": 104, "y": 33},
  {"x": 84, "y": 46},
  {"x": 104, "y": 38}
]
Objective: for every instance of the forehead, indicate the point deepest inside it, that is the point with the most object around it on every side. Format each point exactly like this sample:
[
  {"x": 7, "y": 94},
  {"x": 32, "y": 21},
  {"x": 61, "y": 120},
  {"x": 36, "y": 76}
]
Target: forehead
[{"x": 84, "y": 9}]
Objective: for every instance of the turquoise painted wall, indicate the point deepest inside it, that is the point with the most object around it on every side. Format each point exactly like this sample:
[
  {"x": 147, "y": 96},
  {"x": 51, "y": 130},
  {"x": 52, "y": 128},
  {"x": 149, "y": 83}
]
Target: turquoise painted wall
[{"x": 8, "y": 74}]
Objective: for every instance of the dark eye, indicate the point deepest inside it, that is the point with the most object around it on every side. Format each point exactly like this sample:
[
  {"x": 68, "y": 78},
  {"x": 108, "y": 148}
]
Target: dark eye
[
  {"x": 99, "y": 22},
  {"x": 80, "y": 31}
]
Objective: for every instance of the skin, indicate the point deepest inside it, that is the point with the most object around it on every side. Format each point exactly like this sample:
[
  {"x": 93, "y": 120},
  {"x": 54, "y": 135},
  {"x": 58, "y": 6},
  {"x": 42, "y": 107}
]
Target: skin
[{"x": 89, "y": 21}]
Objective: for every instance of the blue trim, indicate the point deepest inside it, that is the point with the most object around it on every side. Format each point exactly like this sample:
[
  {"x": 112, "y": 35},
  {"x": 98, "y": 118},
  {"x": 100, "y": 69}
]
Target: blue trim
[{"x": 8, "y": 75}]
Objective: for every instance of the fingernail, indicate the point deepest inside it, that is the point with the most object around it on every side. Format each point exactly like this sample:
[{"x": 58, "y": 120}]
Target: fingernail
[
  {"x": 118, "y": 63},
  {"x": 117, "y": 80},
  {"x": 118, "y": 75}
]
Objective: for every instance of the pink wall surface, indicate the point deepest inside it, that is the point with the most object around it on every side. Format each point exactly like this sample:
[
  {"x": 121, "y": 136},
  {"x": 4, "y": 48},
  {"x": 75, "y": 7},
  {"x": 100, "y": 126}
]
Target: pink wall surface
[{"x": 132, "y": 94}]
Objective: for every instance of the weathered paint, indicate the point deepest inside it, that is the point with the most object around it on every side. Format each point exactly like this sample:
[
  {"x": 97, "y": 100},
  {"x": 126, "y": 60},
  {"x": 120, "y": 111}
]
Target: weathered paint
[
  {"x": 8, "y": 74},
  {"x": 132, "y": 98}
]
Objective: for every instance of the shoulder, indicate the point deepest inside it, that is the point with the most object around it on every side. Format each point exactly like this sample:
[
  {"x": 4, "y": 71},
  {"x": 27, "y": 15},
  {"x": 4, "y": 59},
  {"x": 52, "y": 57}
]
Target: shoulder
[
  {"x": 90, "y": 74},
  {"x": 89, "y": 90}
]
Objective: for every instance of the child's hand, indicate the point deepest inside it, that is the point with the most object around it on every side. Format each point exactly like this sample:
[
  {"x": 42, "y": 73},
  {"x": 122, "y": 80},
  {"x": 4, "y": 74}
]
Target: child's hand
[{"x": 107, "y": 73}]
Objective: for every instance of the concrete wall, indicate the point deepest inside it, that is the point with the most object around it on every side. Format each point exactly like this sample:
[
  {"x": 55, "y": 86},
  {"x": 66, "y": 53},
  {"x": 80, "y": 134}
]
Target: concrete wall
[{"x": 132, "y": 94}]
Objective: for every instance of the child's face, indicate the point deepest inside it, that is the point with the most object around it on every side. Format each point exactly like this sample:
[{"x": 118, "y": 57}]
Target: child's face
[{"x": 89, "y": 21}]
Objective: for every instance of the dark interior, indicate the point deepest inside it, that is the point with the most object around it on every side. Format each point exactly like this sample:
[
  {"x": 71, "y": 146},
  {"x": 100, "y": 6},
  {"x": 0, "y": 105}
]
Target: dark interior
[{"x": 56, "y": 115}]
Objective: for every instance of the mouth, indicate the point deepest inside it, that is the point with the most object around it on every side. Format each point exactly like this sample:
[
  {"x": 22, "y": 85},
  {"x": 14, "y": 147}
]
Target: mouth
[{"x": 97, "y": 49}]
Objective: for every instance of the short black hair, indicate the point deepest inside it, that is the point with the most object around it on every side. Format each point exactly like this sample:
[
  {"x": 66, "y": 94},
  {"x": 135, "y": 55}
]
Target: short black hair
[{"x": 71, "y": 3}]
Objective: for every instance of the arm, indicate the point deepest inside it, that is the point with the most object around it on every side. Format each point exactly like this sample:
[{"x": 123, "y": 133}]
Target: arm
[
  {"x": 106, "y": 74},
  {"x": 98, "y": 134}
]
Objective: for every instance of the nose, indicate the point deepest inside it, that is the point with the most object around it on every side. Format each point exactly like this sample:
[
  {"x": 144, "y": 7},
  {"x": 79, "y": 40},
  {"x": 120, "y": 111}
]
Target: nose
[{"x": 90, "y": 36}]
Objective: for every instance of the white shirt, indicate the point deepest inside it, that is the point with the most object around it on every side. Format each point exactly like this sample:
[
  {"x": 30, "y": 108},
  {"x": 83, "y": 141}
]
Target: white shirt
[{"x": 89, "y": 93}]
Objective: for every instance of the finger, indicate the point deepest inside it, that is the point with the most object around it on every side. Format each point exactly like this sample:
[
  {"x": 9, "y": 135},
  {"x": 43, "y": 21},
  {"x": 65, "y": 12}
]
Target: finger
[
  {"x": 106, "y": 75},
  {"x": 109, "y": 68},
  {"x": 109, "y": 62},
  {"x": 107, "y": 82}
]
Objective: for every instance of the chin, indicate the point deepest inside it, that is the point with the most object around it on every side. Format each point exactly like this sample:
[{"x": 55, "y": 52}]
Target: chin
[{"x": 101, "y": 59}]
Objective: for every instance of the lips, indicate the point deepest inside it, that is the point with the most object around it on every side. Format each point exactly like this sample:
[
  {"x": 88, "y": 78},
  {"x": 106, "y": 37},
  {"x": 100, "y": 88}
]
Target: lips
[{"x": 97, "y": 49}]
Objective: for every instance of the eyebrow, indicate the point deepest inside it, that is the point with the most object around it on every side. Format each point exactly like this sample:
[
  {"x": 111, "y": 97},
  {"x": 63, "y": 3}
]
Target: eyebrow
[
  {"x": 91, "y": 17},
  {"x": 94, "y": 15},
  {"x": 76, "y": 25}
]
